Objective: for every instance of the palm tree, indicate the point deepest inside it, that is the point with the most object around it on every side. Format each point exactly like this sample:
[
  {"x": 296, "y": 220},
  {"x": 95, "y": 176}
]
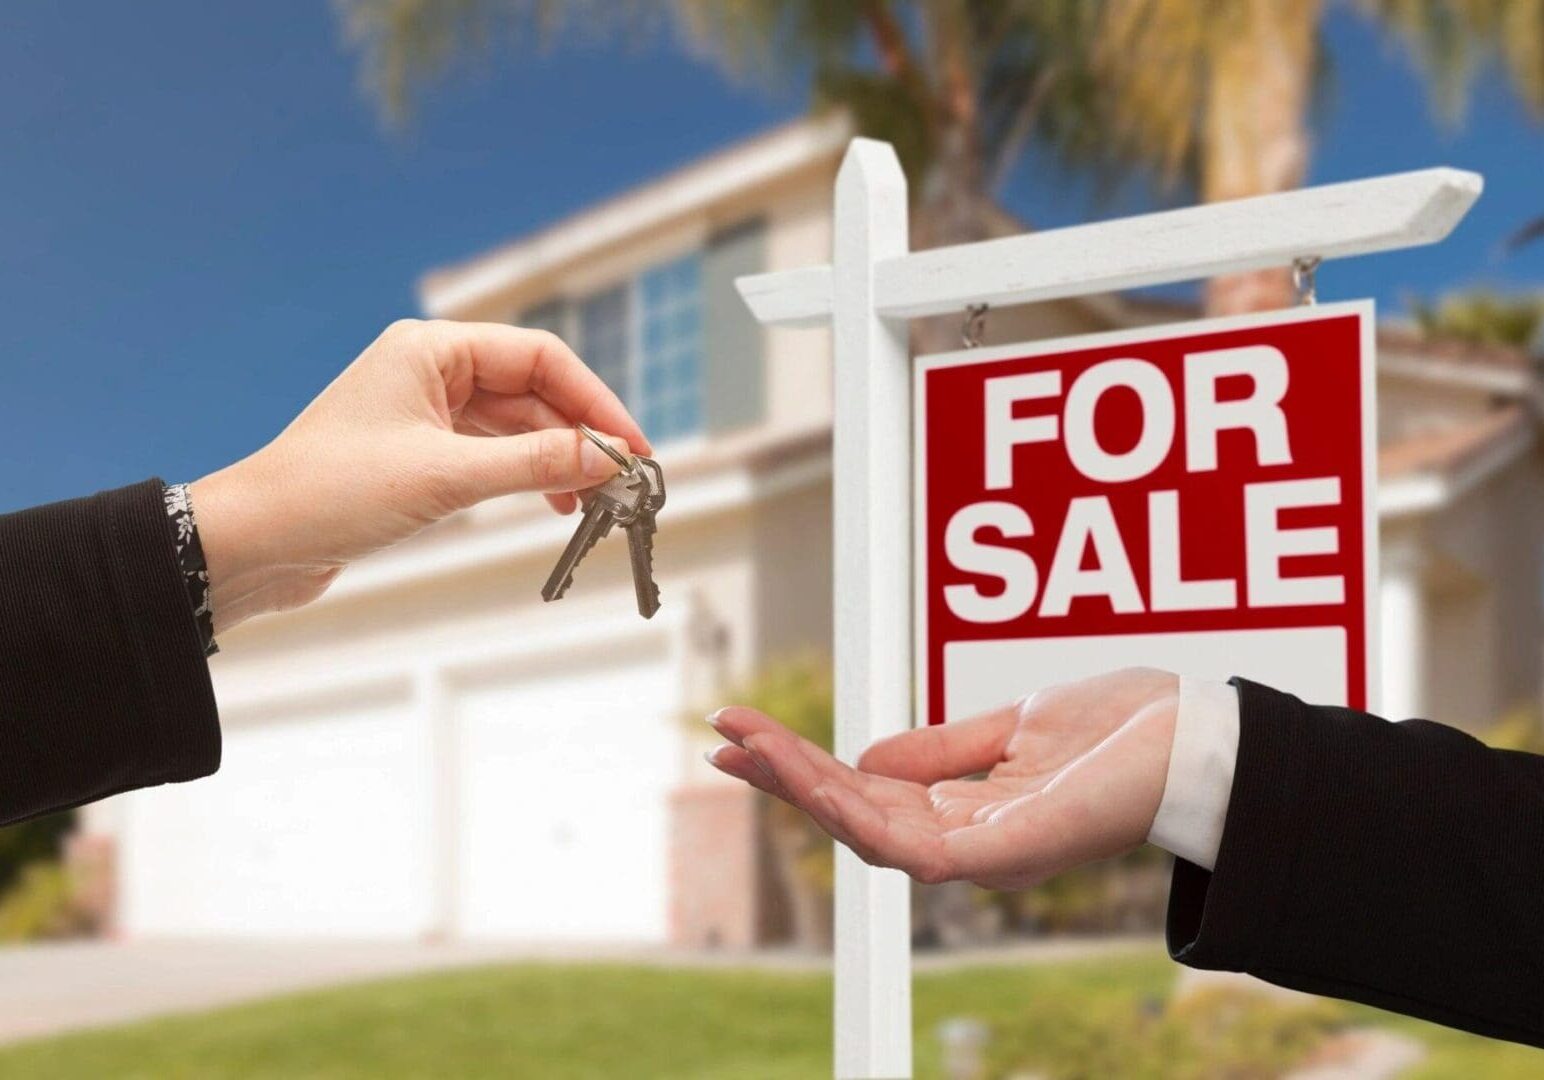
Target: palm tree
[
  {"x": 1224, "y": 90},
  {"x": 1484, "y": 317},
  {"x": 958, "y": 86},
  {"x": 1216, "y": 101}
]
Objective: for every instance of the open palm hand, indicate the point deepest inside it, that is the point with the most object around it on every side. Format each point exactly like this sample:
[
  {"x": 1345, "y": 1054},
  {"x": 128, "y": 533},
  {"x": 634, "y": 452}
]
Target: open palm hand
[{"x": 1068, "y": 775}]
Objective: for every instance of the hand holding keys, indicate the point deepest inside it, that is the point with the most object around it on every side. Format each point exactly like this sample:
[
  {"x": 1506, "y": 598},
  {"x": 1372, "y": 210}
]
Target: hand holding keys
[{"x": 631, "y": 498}]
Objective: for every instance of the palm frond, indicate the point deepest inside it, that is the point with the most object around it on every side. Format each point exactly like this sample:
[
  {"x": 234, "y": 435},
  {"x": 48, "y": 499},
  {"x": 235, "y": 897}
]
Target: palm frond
[
  {"x": 1529, "y": 233},
  {"x": 1484, "y": 316},
  {"x": 406, "y": 44},
  {"x": 1454, "y": 39}
]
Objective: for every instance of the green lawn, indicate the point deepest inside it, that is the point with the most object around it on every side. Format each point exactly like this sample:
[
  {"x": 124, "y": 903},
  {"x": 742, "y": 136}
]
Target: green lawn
[{"x": 535, "y": 1020}]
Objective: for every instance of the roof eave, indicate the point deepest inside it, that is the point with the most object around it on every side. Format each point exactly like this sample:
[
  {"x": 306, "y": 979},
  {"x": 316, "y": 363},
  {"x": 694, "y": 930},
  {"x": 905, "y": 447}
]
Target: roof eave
[{"x": 785, "y": 150}]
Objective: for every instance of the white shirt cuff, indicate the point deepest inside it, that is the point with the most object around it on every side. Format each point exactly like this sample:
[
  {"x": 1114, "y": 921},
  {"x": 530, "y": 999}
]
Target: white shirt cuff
[{"x": 1201, "y": 763}]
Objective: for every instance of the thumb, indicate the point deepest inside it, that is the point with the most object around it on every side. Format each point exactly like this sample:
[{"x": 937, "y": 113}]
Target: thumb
[{"x": 551, "y": 459}]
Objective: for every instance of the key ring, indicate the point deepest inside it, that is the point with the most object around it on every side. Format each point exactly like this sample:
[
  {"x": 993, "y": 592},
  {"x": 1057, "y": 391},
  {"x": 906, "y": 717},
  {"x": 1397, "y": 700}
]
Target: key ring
[{"x": 610, "y": 451}]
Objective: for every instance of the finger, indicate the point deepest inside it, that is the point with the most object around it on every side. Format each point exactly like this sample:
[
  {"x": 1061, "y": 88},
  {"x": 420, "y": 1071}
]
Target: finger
[
  {"x": 735, "y": 762},
  {"x": 527, "y": 414},
  {"x": 943, "y": 751},
  {"x": 558, "y": 460},
  {"x": 834, "y": 796},
  {"x": 516, "y": 414},
  {"x": 914, "y": 846},
  {"x": 511, "y": 414},
  {"x": 779, "y": 756},
  {"x": 514, "y": 360},
  {"x": 737, "y": 722}
]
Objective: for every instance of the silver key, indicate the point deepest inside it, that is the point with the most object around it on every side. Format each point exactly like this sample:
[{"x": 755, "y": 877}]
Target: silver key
[
  {"x": 618, "y": 498},
  {"x": 594, "y": 525},
  {"x": 640, "y": 538},
  {"x": 630, "y": 498}
]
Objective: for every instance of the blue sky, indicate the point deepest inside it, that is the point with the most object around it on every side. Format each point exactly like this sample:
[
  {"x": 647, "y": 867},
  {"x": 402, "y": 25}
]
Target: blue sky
[{"x": 202, "y": 220}]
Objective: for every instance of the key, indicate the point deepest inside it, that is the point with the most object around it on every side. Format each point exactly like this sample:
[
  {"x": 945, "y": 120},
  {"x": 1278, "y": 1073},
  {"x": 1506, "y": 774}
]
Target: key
[
  {"x": 640, "y": 538},
  {"x": 631, "y": 499},
  {"x": 593, "y": 526},
  {"x": 619, "y": 499}
]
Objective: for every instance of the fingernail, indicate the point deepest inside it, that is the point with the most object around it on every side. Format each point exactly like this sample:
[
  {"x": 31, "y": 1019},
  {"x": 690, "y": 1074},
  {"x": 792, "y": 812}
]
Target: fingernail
[
  {"x": 711, "y": 756},
  {"x": 715, "y": 718}
]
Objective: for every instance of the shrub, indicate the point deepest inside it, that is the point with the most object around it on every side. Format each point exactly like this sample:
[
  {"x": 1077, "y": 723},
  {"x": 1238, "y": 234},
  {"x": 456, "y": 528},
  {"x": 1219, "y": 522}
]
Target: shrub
[
  {"x": 42, "y": 904},
  {"x": 40, "y": 838},
  {"x": 1217, "y": 1034},
  {"x": 797, "y": 691}
]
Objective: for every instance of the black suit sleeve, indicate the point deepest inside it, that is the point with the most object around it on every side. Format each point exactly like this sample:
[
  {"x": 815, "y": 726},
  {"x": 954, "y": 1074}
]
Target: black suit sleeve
[
  {"x": 1401, "y": 865},
  {"x": 103, "y": 682}
]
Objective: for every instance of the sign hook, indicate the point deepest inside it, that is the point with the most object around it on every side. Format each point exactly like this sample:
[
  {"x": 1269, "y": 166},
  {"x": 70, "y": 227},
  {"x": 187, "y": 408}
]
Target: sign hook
[
  {"x": 975, "y": 325},
  {"x": 1304, "y": 268}
]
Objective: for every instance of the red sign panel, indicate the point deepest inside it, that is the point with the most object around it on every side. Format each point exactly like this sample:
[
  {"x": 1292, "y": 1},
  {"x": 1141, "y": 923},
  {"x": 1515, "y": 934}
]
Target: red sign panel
[{"x": 1197, "y": 497}]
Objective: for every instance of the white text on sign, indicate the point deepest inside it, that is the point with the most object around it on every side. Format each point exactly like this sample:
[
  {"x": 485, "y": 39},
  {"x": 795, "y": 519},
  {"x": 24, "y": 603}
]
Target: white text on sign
[{"x": 1090, "y": 521}]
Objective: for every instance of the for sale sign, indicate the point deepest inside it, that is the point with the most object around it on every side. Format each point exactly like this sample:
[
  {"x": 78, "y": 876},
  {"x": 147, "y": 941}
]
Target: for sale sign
[{"x": 1197, "y": 497}]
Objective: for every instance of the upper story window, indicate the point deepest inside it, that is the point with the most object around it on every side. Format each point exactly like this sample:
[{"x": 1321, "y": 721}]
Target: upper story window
[
  {"x": 603, "y": 338},
  {"x": 649, "y": 337},
  {"x": 644, "y": 338},
  {"x": 669, "y": 396}
]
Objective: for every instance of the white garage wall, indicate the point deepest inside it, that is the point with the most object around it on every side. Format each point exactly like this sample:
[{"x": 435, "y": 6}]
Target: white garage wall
[
  {"x": 564, "y": 781},
  {"x": 313, "y": 825}
]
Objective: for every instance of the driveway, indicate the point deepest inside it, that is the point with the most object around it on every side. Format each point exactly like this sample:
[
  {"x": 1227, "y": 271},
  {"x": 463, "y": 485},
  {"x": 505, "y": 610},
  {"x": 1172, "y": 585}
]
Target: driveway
[{"x": 51, "y": 988}]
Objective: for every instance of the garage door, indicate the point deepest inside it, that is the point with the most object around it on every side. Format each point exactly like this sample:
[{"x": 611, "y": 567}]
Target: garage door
[
  {"x": 564, "y": 782},
  {"x": 315, "y": 824}
]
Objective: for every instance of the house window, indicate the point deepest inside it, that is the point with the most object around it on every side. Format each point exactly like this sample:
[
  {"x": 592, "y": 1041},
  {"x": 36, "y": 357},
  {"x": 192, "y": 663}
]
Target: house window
[
  {"x": 643, "y": 337},
  {"x": 605, "y": 337},
  {"x": 669, "y": 398}
]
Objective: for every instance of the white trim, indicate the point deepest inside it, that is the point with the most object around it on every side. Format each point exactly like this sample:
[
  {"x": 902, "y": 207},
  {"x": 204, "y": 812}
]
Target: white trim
[
  {"x": 1403, "y": 364},
  {"x": 1372, "y": 536},
  {"x": 453, "y": 660},
  {"x": 1422, "y": 493},
  {"x": 690, "y": 190},
  {"x": 456, "y": 552}
]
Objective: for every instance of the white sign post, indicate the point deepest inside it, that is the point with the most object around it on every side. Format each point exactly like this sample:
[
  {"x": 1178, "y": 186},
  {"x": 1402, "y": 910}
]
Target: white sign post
[{"x": 874, "y": 284}]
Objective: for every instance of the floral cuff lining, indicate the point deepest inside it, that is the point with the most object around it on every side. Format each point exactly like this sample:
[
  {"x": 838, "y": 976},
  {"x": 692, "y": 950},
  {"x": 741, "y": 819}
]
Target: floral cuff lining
[{"x": 190, "y": 557}]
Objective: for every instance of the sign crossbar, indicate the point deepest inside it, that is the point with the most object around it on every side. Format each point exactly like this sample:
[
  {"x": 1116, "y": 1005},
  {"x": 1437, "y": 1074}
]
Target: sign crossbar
[{"x": 1360, "y": 217}]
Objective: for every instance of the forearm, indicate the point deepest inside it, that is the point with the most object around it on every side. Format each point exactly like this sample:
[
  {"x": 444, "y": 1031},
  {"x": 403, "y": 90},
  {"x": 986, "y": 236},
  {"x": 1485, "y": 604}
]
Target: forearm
[
  {"x": 1393, "y": 864},
  {"x": 244, "y": 520},
  {"x": 103, "y": 686}
]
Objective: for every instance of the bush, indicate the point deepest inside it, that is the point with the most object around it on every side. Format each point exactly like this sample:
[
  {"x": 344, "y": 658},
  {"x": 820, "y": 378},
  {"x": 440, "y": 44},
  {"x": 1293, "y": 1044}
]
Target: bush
[
  {"x": 42, "y": 904},
  {"x": 797, "y": 691},
  {"x": 30, "y": 841},
  {"x": 1121, "y": 895},
  {"x": 1218, "y": 1034}
]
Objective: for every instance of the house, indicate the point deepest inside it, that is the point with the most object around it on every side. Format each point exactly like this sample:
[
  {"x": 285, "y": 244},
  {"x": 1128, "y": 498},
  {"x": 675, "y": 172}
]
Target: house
[{"x": 431, "y": 751}]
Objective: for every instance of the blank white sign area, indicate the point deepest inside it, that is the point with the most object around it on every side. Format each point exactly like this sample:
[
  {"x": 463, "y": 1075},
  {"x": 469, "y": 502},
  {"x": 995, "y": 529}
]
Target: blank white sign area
[{"x": 1307, "y": 661}]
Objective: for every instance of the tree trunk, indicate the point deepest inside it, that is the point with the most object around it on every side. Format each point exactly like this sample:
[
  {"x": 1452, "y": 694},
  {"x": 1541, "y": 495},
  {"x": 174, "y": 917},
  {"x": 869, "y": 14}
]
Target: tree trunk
[
  {"x": 1257, "y": 139},
  {"x": 951, "y": 209}
]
